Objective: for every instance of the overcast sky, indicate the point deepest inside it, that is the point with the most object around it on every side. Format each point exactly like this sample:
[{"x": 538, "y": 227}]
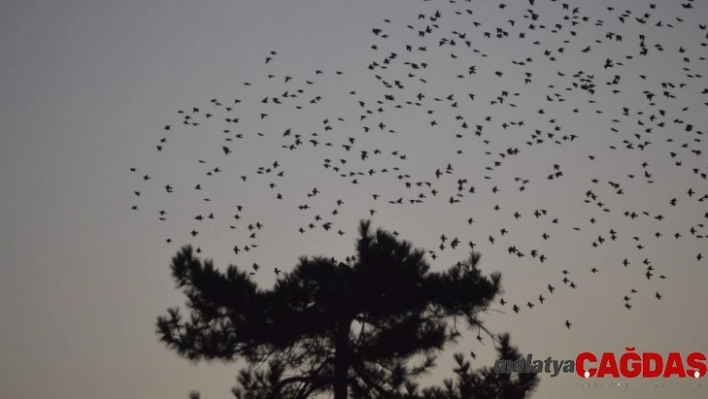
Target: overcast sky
[{"x": 560, "y": 122}]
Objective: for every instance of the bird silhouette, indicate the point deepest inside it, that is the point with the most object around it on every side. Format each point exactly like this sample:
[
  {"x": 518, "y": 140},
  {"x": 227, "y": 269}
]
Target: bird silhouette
[{"x": 518, "y": 146}]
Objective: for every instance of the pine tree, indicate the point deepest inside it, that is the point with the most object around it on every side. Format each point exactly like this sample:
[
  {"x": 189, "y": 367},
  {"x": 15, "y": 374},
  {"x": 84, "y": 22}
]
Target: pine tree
[{"x": 352, "y": 329}]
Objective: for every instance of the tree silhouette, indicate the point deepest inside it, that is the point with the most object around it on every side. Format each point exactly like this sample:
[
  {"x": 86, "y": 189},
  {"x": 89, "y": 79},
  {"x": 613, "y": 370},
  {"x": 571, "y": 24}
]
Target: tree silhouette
[
  {"x": 327, "y": 326},
  {"x": 483, "y": 383}
]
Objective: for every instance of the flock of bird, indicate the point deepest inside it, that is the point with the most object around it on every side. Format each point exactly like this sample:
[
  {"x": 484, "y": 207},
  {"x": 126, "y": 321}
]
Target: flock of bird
[{"x": 531, "y": 128}]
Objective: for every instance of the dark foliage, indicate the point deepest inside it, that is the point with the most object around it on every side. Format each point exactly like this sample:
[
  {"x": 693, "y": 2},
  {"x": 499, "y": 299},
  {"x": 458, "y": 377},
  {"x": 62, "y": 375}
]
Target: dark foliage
[{"x": 326, "y": 326}]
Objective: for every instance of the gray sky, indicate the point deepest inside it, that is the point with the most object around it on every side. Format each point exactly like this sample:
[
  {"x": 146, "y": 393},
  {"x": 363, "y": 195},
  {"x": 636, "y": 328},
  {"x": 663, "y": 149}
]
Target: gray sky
[{"x": 88, "y": 87}]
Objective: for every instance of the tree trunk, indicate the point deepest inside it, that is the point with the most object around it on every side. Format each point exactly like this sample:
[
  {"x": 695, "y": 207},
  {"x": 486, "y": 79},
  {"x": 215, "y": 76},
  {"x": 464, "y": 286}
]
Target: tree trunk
[
  {"x": 341, "y": 338},
  {"x": 341, "y": 357}
]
